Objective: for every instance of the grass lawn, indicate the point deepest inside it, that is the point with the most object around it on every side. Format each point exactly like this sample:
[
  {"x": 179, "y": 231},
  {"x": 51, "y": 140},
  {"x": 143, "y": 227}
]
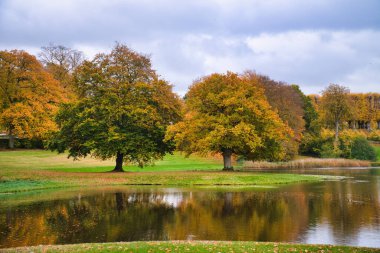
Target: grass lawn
[
  {"x": 42, "y": 159},
  {"x": 37, "y": 169},
  {"x": 192, "y": 246},
  {"x": 377, "y": 148}
]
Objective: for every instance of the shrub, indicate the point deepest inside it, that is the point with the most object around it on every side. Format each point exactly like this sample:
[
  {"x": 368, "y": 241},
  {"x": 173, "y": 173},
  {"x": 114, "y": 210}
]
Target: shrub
[
  {"x": 361, "y": 149},
  {"x": 328, "y": 151},
  {"x": 311, "y": 145},
  {"x": 374, "y": 135}
]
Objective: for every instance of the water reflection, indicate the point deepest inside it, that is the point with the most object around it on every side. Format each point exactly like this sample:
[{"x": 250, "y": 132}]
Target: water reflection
[{"x": 338, "y": 212}]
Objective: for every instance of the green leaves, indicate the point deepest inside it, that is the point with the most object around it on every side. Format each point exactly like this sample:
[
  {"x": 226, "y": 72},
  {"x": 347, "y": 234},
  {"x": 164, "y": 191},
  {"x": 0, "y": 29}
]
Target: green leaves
[{"x": 123, "y": 107}]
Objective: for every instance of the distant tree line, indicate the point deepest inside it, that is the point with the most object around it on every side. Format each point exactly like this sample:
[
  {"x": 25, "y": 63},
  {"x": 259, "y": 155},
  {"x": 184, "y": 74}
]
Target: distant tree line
[
  {"x": 363, "y": 110},
  {"x": 116, "y": 106}
]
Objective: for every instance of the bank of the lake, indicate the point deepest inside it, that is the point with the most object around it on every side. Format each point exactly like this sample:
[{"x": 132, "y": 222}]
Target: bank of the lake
[
  {"x": 38, "y": 180},
  {"x": 192, "y": 246},
  {"x": 37, "y": 169}
]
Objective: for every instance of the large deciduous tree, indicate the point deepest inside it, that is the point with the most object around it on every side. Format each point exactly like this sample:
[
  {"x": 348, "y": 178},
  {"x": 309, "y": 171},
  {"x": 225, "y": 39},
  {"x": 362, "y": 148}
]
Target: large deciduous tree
[
  {"x": 29, "y": 96},
  {"x": 335, "y": 107},
  {"x": 287, "y": 102},
  {"x": 226, "y": 114},
  {"x": 122, "y": 112}
]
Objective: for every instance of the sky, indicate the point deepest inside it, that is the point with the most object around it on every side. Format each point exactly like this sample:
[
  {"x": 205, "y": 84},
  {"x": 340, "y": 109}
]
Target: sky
[{"x": 311, "y": 43}]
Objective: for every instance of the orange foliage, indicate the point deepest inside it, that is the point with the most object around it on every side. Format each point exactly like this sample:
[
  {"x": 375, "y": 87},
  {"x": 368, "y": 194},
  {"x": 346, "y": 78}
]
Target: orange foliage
[{"x": 29, "y": 96}]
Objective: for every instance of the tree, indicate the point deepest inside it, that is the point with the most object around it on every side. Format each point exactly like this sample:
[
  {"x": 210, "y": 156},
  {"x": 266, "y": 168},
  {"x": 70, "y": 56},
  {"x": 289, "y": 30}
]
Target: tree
[
  {"x": 123, "y": 111},
  {"x": 287, "y": 102},
  {"x": 310, "y": 114},
  {"x": 29, "y": 96},
  {"x": 335, "y": 107},
  {"x": 61, "y": 62},
  {"x": 228, "y": 115}
]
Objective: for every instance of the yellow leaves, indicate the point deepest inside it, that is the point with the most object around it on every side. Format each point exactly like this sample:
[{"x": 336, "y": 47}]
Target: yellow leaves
[{"x": 228, "y": 112}]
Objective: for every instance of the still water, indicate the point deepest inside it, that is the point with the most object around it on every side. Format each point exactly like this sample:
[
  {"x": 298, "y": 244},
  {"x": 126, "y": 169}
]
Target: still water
[{"x": 345, "y": 212}]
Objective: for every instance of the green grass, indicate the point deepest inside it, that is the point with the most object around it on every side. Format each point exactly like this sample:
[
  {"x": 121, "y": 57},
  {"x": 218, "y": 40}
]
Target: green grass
[
  {"x": 19, "y": 185},
  {"x": 377, "y": 148},
  {"x": 192, "y": 246},
  {"x": 37, "y": 169},
  {"x": 175, "y": 162},
  {"x": 46, "y": 160},
  {"x": 41, "y": 180}
]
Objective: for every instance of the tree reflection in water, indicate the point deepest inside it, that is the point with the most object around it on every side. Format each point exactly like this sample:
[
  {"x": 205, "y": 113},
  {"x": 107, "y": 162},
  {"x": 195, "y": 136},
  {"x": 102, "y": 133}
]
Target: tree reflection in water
[{"x": 288, "y": 214}]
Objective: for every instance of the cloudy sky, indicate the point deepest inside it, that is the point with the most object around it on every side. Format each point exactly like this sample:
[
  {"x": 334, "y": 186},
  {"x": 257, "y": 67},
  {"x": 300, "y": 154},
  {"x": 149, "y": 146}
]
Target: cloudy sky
[{"x": 307, "y": 42}]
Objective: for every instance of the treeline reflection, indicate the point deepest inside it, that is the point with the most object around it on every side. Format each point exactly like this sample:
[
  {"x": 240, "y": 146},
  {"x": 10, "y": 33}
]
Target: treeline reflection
[{"x": 284, "y": 214}]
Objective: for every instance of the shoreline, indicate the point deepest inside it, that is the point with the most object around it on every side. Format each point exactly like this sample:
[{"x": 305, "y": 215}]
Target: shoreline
[{"x": 191, "y": 246}]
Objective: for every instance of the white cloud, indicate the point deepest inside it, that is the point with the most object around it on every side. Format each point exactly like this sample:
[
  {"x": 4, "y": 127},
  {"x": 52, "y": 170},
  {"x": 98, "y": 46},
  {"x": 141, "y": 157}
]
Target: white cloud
[
  {"x": 311, "y": 59},
  {"x": 317, "y": 58},
  {"x": 311, "y": 43}
]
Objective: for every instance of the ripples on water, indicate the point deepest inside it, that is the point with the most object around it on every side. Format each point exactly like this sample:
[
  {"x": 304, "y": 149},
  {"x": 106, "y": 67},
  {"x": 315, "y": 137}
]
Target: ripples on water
[{"x": 335, "y": 212}]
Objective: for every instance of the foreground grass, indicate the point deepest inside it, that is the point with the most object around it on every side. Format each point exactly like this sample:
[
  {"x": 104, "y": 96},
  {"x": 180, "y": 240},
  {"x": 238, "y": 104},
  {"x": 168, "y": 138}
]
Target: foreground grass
[{"x": 192, "y": 246}]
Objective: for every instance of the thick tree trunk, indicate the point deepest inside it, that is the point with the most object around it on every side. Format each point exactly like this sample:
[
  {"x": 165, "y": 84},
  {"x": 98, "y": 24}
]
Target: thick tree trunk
[
  {"x": 119, "y": 163},
  {"x": 227, "y": 160},
  {"x": 11, "y": 143},
  {"x": 336, "y": 141}
]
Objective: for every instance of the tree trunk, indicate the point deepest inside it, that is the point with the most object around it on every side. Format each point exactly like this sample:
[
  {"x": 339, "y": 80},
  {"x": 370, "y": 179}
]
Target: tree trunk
[
  {"x": 336, "y": 141},
  {"x": 227, "y": 160},
  {"x": 11, "y": 143},
  {"x": 119, "y": 163}
]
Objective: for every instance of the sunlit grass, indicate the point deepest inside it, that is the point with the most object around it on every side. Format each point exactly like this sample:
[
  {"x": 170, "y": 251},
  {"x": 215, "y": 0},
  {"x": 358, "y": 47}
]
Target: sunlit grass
[{"x": 46, "y": 160}]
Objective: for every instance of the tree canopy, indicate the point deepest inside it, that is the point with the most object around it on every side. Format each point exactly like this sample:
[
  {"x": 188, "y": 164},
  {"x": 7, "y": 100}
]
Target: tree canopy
[
  {"x": 287, "y": 102},
  {"x": 335, "y": 106},
  {"x": 29, "y": 96},
  {"x": 123, "y": 110},
  {"x": 61, "y": 62},
  {"x": 227, "y": 114}
]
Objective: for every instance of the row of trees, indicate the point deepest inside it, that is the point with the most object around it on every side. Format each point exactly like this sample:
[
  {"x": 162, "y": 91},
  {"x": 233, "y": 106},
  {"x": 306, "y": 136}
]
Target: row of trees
[{"x": 117, "y": 106}]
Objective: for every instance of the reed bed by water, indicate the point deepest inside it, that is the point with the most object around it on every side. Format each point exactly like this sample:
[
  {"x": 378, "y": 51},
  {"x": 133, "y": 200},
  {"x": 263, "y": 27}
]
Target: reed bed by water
[{"x": 307, "y": 163}]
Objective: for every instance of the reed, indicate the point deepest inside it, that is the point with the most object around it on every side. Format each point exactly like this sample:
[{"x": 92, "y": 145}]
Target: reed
[{"x": 307, "y": 163}]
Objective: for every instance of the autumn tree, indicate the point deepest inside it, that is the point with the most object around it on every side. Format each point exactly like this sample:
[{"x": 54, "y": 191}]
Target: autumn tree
[
  {"x": 29, "y": 96},
  {"x": 335, "y": 107},
  {"x": 61, "y": 62},
  {"x": 122, "y": 112},
  {"x": 287, "y": 102},
  {"x": 226, "y": 114}
]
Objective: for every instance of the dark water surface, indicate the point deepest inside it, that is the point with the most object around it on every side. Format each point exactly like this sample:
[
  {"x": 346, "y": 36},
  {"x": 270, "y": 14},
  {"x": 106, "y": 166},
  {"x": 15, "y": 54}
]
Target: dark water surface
[{"x": 345, "y": 212}]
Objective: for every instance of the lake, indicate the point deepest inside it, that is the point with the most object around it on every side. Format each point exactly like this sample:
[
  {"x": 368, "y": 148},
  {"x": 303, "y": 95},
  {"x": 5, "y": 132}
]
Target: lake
[{"x": 344, "y": 212}]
